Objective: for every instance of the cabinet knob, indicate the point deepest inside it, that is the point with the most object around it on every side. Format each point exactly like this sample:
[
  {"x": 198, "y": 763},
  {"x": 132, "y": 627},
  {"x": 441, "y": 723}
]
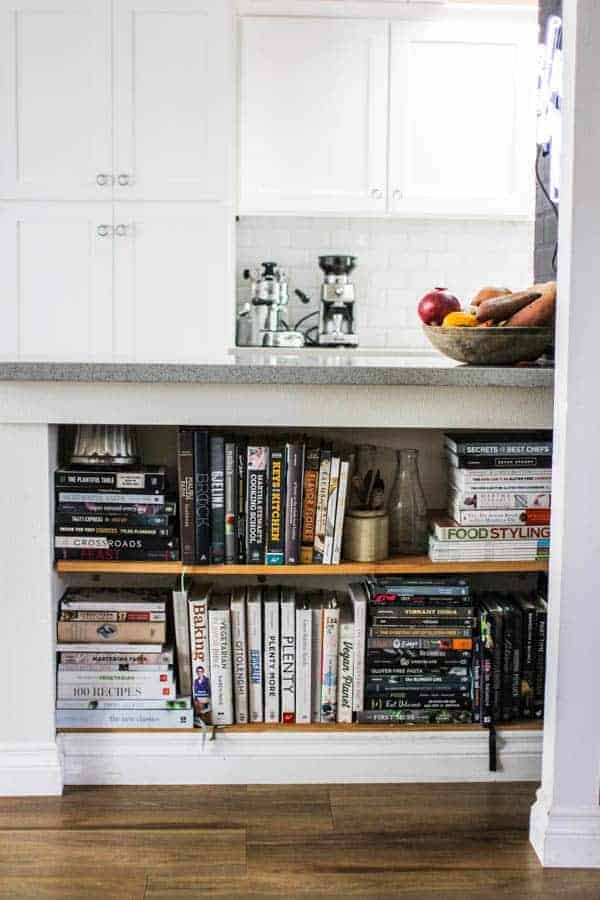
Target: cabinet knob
[
  {"x": 123, "y": 179},
  {"x": 397, "y": 195},
  {"x": 121, "y": 230},
  {"x": 103, "y": 230},
  {"x": 377, "y": 193},
  {"x": 102, "y": 179}
]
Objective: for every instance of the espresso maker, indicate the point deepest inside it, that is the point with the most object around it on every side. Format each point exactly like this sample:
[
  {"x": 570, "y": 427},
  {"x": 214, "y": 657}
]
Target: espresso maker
[
  {"x": 337, "y": 326},
  {"x": 260, "y": 321}
]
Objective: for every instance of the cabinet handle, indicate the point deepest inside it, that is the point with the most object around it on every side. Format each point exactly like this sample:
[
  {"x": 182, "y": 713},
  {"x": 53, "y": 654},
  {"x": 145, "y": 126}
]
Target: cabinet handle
[
  {"x": 103, "y": 230},
  {"x": 377, "y": 194},
  {"x": 397, "y": 195},
  {"x": 103, "y": 179},
  {"x": 121, "y": 230},
  {"x": 123, "y": 179}
]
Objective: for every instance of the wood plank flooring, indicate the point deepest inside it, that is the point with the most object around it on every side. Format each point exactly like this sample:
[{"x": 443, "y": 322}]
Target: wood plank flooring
[{"x": 413, "y": 842}]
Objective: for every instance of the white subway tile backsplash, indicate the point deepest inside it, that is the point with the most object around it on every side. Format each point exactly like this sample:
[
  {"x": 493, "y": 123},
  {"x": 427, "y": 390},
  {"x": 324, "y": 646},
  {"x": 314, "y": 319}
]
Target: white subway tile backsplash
[{"x": 398, "y": 261}]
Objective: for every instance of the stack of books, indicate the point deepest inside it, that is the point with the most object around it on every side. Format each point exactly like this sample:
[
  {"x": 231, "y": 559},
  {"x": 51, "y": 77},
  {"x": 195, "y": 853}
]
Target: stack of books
[
  {"x": 114, "y": 513},
  {"x": 499, "y": 499},
  {"x": 114, "y": 670},
  {"x": 510, "y": 657},
  {"x": 244, "y": 501},
  {"x": 419, "y": 651},
  {"x": 270, "y": 654}
]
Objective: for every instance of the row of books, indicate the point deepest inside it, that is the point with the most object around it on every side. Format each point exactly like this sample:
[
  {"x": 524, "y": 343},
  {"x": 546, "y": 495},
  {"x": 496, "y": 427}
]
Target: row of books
[
  {"x": 253, "y": 502},
  {"x": 271, "y": 654},
  {"x": 510, "y": 657},
  {"x": 114, "y": 513},
  {"x": 419, "y": 651},
  {"x": 500, "y": 491},
  {"x": 114, "y": 668}
]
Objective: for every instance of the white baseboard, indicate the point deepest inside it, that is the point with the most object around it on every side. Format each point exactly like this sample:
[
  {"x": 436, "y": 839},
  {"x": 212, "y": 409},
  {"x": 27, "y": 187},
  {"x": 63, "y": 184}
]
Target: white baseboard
[
  {"x": 295, "y": 758},
  {"x": 30, "y": 770},
  {"x": 565, "y": 837}
]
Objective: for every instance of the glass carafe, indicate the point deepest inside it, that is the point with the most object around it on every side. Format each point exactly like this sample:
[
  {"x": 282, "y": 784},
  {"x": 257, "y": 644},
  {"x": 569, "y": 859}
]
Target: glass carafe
[{"x": 407, "y": 508}]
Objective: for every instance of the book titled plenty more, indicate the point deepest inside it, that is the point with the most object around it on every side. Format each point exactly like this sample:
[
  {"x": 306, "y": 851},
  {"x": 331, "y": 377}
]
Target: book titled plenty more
[{"x": 252, "y": 501}]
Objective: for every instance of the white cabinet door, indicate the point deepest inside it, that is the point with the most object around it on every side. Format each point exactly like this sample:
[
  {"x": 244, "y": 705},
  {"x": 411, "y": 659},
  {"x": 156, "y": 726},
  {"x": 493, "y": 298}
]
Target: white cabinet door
[
  {"x": 314, "y": 101},
  {"x": 55, "y": 99},
  {"x": 462, "y": 117},
  {"x": 56, "y": 281},
  {"x": 174, "y": 119},
  {"x": 174, "y": 286}
]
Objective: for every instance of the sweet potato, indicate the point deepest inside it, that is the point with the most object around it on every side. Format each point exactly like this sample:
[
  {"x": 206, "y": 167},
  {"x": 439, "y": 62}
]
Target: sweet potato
[
  {"x": 540, "y": 312},
  {"x": 501, "y": 308},
  {"x": 488, "y": 293}
]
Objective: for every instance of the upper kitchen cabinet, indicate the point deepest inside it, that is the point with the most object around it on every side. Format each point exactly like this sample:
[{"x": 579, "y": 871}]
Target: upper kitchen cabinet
[
  {"x": 462, "y": 116},
  {"x": 55, "y": 99},
  {"x": 173, "y": 87},
  {"x": 314, "y": 97}
]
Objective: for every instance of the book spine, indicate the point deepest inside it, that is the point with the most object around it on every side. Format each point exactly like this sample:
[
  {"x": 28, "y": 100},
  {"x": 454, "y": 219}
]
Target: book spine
[
  {"x": 512, "y": 480},
  {"x": 332, "y": 497},
  {"x": 540, "y": 664},
  {"x": 329, "y": 663},
  {"x": 345, "y": 699},
  {"x": 420, "y": 660},
  {"x": 71, "y": 690},
  {"x": 98, "y": 660},
  {"x": 419, "y": 701},
  {"x": 110, "y": 615},
  {"x": 303, "y": 665},
  {"x": 117, "y": 510},
  {"x": 294, "y": 459},
  {"x": 419, "y": 613},
  {"x": 312, "y": 459},
  {"x": 458, "y": 534},
  {"x": 182, "y": 642},
  {"x": 100, "y": 521},
  {"x": 528, "y": 669},
  {"x": 112, "y": 632},
  {"x": 500, "y": 516},
  {"x": 200, "y": 658},
  {"x": 473, "y": 501},
  {"x": 321, "y": 510},
  {"x": 230, "y": 502},
  {"x": 501, "y": 448},
  {"x": 387, "y": 631},
  {"x": 317, "y": 659},
  {"x": 124, "y": 718},
  {"x": 162, "y": 703},
  {"x": 426, "y": 716},
  {"x": 276, "y": 508},
  {"x": 240, "y": 656},
  {"x": 68, "y": 498},
  {"x": 255, "y": 660},
  {"x": 271, "y": 663},
  {"x": 463, "y": 461},
  {"x": 217, "y": 500},
  {"x": 185, "y": 469},
  {"x": 117, "y": 668},
  {"x": 288, "y": 657},
  {"x": 97, "y": 554},
  {"x": 359, "y": 603},
  {"x": 115, "y": 532},
  {"x": 338, "y": 532},
  {"x": 257, "y": 464},
  {"x": 201, "y": 497},
  {"x": 101, "y": 480},
  {"x": 508, "y": 647},
  {"x": 240, "y": 516},
  {"x": 219, "y": 627}
]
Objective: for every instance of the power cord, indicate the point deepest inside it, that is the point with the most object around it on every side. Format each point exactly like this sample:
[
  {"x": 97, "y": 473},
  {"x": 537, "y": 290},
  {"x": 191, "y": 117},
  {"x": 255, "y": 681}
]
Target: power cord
[{"x": 544, "y": 190}]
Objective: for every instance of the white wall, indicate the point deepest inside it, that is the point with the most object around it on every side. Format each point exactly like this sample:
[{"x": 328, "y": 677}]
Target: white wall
[{"x": 398, "y": 261}]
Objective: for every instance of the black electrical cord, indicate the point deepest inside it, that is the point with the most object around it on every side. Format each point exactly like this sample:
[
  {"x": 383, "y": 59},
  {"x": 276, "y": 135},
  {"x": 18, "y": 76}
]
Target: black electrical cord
[
  {"x": 544, "y": 190},
  {"x": 304, "y": 318}
]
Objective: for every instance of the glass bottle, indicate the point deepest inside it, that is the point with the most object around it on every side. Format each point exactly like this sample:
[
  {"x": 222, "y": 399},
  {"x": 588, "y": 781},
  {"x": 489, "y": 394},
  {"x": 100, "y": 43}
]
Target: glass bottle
[{"x": 407, "y": 508}]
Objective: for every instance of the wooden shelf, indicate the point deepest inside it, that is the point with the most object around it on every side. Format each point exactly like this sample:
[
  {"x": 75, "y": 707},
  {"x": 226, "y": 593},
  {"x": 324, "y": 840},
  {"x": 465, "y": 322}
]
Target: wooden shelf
[
  {"x": 262, "y": 727},
  {"x": 416, "y": 565}
]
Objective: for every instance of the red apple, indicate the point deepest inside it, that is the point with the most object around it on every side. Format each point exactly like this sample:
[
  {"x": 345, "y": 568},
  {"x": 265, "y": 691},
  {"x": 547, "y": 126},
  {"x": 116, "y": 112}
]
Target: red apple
[{"x": 436, "y": 305}]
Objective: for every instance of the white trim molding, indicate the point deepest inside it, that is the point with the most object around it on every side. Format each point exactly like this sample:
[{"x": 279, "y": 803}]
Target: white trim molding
[
  {"x": 565, "y": 836},
  {"x": 28, "y": 769},
  {"x": 280, "y": 757}
]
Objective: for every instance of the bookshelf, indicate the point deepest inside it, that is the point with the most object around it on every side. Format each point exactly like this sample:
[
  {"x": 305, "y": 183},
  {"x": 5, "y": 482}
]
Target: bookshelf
[
  {"x": 320, "y": 728},
  {"x": 413, "y": 565}
]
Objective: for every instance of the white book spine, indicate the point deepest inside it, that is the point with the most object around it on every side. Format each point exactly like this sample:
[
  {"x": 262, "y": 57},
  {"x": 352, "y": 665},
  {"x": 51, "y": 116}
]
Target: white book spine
[
  {"x": 240, "y": 655},
  {"x": 101, "y": 690},
  {"x": 182, "y": 642},
  {"x": 112, "y": 606},
  {"x": 316, "y": 657},
  {"x": 125, "y": 704},
  {"x": 255, "y": 656},
  {"x": 200, "y": 657},
  {"x": 340, "y": 512},
  {"x": 136, "y": 650},
  {"x": 143, "y": 680},
  {"x": 124, "y": 718},
  {"x": 358, "y": 596},
  {"x": 345, "y": 698},
  {"x": 303, "y": 665},
  {"x": 288, "y": 656},
  {"x": 272, "y": 685},
  {"x": 329, "y": 664},
  {"x": 219, "y": 624},
  {"x": 115, "y": 667},
  {"x": 331, "y": 510}
]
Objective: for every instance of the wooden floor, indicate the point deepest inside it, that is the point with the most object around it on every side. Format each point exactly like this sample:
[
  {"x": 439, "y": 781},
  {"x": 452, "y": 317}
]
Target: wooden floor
[{"x": 414, "y": 842}]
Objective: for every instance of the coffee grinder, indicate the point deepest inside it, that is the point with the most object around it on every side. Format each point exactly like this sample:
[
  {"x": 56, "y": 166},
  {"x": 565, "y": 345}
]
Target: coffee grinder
[{"x": 337, "y": 326}]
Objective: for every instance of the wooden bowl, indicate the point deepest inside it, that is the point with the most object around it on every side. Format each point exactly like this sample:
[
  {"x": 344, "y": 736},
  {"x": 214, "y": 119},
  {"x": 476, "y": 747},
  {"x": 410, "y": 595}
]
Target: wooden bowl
[{"x": 490, "y": 346}]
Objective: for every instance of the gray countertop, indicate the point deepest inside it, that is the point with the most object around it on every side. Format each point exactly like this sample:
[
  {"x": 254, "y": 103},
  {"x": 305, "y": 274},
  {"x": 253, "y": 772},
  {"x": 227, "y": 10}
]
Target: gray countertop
[{"x": 318, "y": 367}]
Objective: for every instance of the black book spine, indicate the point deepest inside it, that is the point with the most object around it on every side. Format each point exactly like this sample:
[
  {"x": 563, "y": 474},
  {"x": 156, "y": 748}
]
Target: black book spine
[
  {"x": 202, "y": 497},
  {"x": 497, "y": 620},
  {"x": 486, "y": 681},
  {"x": 185, "y": 469},
  {"x": 98, "y": 520},
  {"x": 258, "y": 459},
  {"x": 118, "y": 555},
  {"x": 240, "y": 518},
  {"x": 123, "y": 482},
  {"x": 540, "y": 665},
  {"x": 113, "y": 531},
  {"x": 217, "y": 500},
  {"x": 168, "y": 508},
  {"x": 417, "y": 622},
  {"x": 507, "y": 666},
  {"x": 477, "y": 678},
  {"x": 528, "y": 668},
  {"x": 517, "y": 661},
  {"x": 419, "y": 702},
  {"x": 294, "y": 464},
  {"x": 230, "y": 502},
  {"x": 276, "y": 522},
  {"x": 419, "y": 658}
]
